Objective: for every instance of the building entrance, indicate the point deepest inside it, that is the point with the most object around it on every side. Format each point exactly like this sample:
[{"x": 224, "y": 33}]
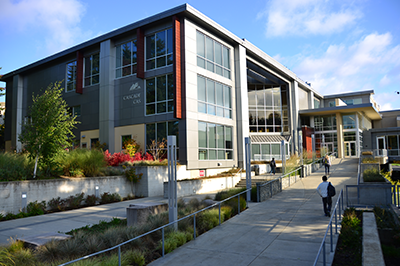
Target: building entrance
[{"x": 350, "y": 149}]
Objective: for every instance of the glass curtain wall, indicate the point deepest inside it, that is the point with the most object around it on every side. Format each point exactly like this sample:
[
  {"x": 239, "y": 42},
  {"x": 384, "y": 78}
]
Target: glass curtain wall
[
  {"x": 268, "y": 109},
  {"x": 325, "y": 133}
]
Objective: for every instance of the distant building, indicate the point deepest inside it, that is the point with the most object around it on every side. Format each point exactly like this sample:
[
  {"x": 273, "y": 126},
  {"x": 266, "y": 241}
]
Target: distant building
[{"x": 180, "y": 73}]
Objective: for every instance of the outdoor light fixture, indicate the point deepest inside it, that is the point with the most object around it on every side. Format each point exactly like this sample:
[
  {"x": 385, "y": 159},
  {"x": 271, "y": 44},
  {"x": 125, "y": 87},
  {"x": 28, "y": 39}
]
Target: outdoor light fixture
[
  {"x": 96, "y": 191},
  {"x": 23, "y": 195},
  {"x": 83, "y": 136},
  {"x": 24, "y": 200}
]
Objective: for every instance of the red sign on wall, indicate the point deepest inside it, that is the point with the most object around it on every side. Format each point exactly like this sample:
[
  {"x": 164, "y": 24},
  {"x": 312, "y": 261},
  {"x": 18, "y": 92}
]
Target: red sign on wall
[{"x": 202, "y": 173}]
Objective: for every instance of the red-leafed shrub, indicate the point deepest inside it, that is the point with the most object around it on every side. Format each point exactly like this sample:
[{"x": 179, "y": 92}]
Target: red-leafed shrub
[{"x": 119, "y": 157}]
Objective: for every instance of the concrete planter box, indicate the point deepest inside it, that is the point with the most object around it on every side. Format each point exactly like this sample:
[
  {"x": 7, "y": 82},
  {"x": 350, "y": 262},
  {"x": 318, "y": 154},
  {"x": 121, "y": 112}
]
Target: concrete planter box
[
  {"x": 205, "y": 185},
  {"x": 365, "y": 166},
  {"x": 374, "y": 193}
]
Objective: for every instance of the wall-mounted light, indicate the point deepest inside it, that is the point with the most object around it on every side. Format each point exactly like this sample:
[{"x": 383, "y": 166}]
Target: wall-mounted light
[
  {"x": 83, "y": 136},
  {"x": 24, "y": 201},
  {"x": 218, "y": 164},
  {"x": 96, "y": 191}
]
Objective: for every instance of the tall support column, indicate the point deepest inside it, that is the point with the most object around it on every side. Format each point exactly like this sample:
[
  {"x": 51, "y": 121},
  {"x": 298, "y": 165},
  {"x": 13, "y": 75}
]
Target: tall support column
[
  {"x": 242, "y": 103},
  {"x": 294, "y": 115},
  {"x": 358, "y": 144},
  {"x": 248, "y": 166},
  {"x": 16, "y": 112},
  {"x": 106, "y": 94},
  {"x": 339, "y": 130}
]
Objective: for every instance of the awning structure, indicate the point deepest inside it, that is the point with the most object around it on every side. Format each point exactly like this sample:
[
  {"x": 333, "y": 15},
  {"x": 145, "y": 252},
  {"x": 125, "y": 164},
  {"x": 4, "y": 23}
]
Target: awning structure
[
  {"x": 367, "y": 108},
  {"x": 268, "y": 138}
]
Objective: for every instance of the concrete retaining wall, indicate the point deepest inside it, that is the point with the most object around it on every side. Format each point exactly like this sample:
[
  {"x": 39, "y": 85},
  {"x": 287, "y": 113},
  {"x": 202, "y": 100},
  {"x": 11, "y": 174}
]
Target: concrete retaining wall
[{"x": 45, "y": 190}]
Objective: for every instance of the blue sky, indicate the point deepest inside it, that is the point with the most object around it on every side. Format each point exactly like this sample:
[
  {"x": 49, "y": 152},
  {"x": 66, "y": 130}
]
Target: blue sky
[{"x": 338, "y": 46}]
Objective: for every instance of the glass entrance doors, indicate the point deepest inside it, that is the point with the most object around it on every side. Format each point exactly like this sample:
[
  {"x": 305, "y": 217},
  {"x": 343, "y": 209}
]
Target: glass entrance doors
[
  {"x": 381, "y": 145},
  {"x": 350, "y": 149}
]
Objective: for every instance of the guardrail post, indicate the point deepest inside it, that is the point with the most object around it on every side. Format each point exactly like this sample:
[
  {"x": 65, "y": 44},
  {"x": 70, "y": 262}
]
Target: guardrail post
[
  {"x": 331, "y": 238},
  {"x": 324, "y": 255},
  {"x": 194, "y": 226},
  {"x": 219, "y": 207},
  {"x": 119, "y": 255},
  {"x": 239, "y": 204},
  {"x": 163, "y": 247},
  {"x": 336, "y": 221}
]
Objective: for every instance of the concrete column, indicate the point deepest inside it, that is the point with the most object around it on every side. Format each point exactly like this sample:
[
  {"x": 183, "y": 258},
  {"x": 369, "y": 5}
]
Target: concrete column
[
  {"x": 339, "y": 132},
  {"x": 311, "y": 100},
  {"x": 242, "y": 102},
  {"x": 294, "y": 114},
  {"x": 16, "y": 113},
  {"x": 358, "y": 144},
  {"x": 106, "y": 94}
]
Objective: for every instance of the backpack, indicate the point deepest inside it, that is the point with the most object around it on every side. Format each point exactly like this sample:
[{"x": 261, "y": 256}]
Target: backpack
[{"x": 331, "y": 190}]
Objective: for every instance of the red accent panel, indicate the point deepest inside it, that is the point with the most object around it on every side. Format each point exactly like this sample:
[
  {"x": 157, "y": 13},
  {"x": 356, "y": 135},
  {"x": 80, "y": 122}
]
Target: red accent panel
[
  {"x": 307, "y": 140},
  {"x": 79, "y": 72},
  {"x": 140, "y": 53},
  {"x": 177, "y": 67}
]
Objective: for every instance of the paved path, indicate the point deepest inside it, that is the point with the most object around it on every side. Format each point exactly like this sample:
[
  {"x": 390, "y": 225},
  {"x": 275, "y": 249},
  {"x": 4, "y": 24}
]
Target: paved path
[{"x": 284, "y": 230}]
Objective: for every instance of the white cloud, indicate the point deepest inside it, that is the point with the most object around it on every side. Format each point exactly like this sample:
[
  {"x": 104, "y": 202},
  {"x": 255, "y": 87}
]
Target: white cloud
[
  {"x": 305, "y": 17},
  {"x": 56, "y": 21},
  {"x": 372, "y": 63}
]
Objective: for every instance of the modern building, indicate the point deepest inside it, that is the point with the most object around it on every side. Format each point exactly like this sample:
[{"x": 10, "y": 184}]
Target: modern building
[{"x": 180, "y": 73}]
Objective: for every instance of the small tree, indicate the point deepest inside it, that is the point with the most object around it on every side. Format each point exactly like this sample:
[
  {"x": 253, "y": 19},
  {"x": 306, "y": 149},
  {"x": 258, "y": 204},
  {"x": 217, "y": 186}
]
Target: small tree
[
  {"x": 157, "y": 149},
  {"x": 48, "y": 129}
]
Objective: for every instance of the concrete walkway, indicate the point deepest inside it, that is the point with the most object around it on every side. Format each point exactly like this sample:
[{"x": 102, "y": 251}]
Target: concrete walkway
[{"x": 284, "y": 230}]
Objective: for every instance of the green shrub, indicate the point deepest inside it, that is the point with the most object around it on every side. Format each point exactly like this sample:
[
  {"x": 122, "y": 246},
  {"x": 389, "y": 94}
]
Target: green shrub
[
  {"x": 226, "y": 212},
  {"x": 207, "y": 220},
  {"x": 351, "y": 231},
  {"x": 15, "y": 167},
  {"x": 369, "y": 160},
  {"x": 254, "y": 194},
  {"x": 36, "y": 208},
  {"x": 109, "y": 198},
  {"x": 228, "y": 193},
  {"x": 372, "y": 175},
  {"x": 6, "y": 258},
  {"x": 83, "y": 162},
  {"x": 75, "y": 202},
  {"x": 91, "y": 200},
  {"x": 174, "y": 239},
  {"x": 134, "y": 257},
  {"x": 57, "y": 204}
]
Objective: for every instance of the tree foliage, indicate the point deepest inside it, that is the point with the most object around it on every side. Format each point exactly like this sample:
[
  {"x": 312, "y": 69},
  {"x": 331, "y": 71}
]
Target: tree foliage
[{"x": 48, "y": 128}]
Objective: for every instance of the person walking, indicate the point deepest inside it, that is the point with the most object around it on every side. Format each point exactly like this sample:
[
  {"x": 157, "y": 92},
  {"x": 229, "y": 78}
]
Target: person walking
[
  {"x": 273, "y": 166},
  {"x": 327, "y": 163},
  {"x": 322, "y": 190}
]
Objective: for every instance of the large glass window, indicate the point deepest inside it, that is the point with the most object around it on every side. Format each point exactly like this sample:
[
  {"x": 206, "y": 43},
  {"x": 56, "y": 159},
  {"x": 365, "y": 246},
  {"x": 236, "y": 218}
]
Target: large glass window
[
  {"x": 393, "y": 145},
  {"x": 214, "y": 98},
  {"x": 159, "y": 49},
  {"x": 265, "y": 108},
  {"x": 71, "y": 76},
  {"x": 267, "y": 151},
  {"x": 92, "y": 69},
  {"x": 160, "y": 95},
  {"x": 158, "y": 132},
  {"x": 213, "y": 55},
  {"x": 303, "y": 99},
  {"x": 349, "y": 121},
  {"x": 126, "y": 59},
  {"x": 317, "y": 103},
  {"x": 325, "y": 123},
  {"x": 215, "y": 142}
]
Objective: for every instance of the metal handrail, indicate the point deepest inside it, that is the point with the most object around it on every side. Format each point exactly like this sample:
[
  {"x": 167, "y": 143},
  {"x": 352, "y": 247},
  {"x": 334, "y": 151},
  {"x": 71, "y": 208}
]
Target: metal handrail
[
  {"x": 163, "y": 228},
  {"x": 339, "y": 203}
]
